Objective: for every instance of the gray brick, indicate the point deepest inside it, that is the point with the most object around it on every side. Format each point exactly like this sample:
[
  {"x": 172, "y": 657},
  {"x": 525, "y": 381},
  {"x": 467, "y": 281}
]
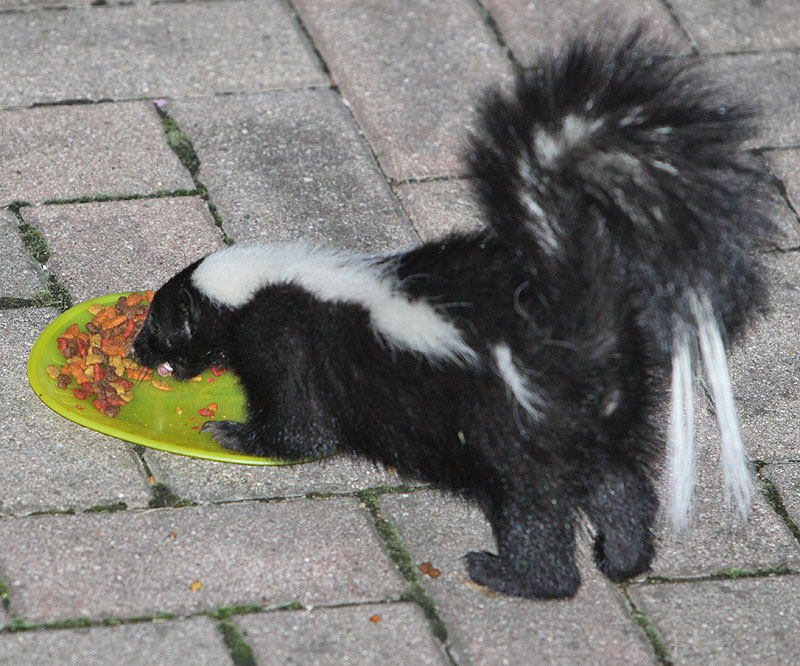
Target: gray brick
[
  {"x": 411, "y": 72},
  {"x": 771, "y": 83},
  {"x": 208, "y": 481},
  {"x": 195, "y": 641},
  {"x": 129, "y": 564},
  {"x": 437, "y": 208},
  {"x": 335, "y": 636},
  {"x": 721, "y": 26},
  {"x": 764, "y": 367},
  {"x": 50, "y": 463},
  {"x": 30, "y": 4},
  {"x": 154, "y": 50},
  {"x": 290, "y": 165},
  {"x": 531, "y": 27},
  {"x": 67, "y": 152},
  {"x": 746, "y": 621},
  {"x": 483, "y": 628},
  {"x": 786, "y": 165},
  {"x": 108, "y": 247},
  {"x": 21, "y": 276}
]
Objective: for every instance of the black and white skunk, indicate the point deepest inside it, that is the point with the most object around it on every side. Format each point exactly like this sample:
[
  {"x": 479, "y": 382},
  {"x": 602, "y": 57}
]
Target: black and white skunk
[{"x": 520, "y": 365}]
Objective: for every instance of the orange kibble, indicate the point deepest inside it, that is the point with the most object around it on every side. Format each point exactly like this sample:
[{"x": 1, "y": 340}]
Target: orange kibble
[
  {"x": 135, "y": 298},
  {"x": 72, "y": 331},
  {"x": 149, "y": 294},
  {"x": 139, "y": 374},
  {"x": 112, "y": 322},
  {"x": 101, "y": 316},
  {"x": 113, "y": 349},
  {"x": 213, "y": 406}
]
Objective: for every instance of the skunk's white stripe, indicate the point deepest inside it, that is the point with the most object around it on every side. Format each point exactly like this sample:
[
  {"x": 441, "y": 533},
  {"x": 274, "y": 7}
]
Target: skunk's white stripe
[
  {"x": 738, "y": 481},
  {"x": 539, "y": 225},
  {"x": 681, "y": 455},
  {"x": 532, "y": 402},
  {"x": 233, "y": 275}
]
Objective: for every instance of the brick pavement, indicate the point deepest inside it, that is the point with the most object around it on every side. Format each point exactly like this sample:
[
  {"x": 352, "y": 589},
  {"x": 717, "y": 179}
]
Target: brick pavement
[{"x": 158, "y": 130}]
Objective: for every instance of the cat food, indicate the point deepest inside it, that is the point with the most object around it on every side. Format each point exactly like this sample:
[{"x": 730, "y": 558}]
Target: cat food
[{"x": 98, "y": 358}]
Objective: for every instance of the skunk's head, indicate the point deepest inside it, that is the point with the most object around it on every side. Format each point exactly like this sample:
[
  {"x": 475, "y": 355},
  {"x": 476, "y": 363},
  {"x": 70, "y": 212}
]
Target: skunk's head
[{"x": 181, "y": 331}]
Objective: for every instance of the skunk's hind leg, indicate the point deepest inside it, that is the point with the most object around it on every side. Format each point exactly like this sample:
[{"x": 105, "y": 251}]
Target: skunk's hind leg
[
  {"x": 536, "y": 549},
  {"x": 622, "y": 507}
]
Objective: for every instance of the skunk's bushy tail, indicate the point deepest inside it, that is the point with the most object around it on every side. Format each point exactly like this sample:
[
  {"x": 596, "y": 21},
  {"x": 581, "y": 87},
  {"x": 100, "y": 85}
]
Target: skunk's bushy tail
[{"x": 619, "y": 147}]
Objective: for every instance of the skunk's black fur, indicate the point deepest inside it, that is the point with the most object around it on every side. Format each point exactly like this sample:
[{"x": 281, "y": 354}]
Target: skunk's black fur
[{"x": 522, "y": 369}]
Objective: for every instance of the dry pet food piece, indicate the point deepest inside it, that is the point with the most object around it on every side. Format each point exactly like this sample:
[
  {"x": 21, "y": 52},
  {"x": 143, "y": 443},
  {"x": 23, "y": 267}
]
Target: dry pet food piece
[
  {"x": 160, "y": 385},
  {"x": 430, "y": 570}
]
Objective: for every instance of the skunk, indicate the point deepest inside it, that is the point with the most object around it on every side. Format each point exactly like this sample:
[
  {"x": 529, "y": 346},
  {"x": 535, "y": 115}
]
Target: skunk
[{"x": 521, "y": 365}]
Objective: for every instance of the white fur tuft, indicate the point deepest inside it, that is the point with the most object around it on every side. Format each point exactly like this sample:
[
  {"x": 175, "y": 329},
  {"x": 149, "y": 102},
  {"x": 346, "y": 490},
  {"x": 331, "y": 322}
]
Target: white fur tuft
[
  {"x": 233, "y": 275},
  {"x": 738, "y": 479},
  {"x": 681, "y": 441},
  {"x": 532, "y": 402}
]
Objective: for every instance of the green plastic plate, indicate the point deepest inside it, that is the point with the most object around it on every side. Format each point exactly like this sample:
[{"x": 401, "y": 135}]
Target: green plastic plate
[{"x": 164, "y": 420}]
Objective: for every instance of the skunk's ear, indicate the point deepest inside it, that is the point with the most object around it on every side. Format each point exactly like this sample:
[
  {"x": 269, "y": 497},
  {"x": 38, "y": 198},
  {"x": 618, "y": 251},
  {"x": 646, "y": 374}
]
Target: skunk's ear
[{"x": 189, "y": 308}]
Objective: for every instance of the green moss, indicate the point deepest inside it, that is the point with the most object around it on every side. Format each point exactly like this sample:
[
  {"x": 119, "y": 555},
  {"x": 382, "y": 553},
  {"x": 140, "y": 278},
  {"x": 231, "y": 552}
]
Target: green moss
[
  {"x": 163, "y": 496},
  {"x": 415, "y": 591},
  {"x": 35, "y": 242},
  {"x": 660, "y": 648},
  {"x": 11, "y": 302},
  {"x": 752, "y": 573},
  {"x": 60, "y": 294},
  {"x": 241, "y": 654},
  {"x": 225, "y": 612},
  {"x": 18, "y": 624},
  {"x": 76, "y": 623},
  {"x": 107, "y": 508},
  {"x": 104, "y": 198},
  {"x": 775, "y": 499},
  {"x": 180, "y": 143},
  {"x": 5, "y": 602}
]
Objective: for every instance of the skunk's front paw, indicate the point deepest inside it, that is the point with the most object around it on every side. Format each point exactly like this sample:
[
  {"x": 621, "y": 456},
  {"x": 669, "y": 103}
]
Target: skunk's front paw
[
  {"x": 231, "y": 435},
  {"x": 499, "y": 575}
]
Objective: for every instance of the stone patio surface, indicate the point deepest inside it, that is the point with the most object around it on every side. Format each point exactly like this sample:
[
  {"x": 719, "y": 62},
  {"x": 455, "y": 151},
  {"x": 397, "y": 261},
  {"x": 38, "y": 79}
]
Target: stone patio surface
[{"x": 137, "y": 136}]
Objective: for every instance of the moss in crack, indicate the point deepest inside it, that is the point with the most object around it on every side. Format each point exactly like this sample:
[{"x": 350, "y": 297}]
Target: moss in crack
[
  {"x": 660, "y": 648},
  {"x": 732, "y": 574},
  {"x": 41, "y": 299},
  {"x": 775, "y": 499},
  {"x": 5, "y": 601},
  {"x": 180, "y": 143},
  {"x": 60, "y": 294},
  {"x": 242, "y": 609},
  {"x": 18, "y": 624},
  {"x": 415, "y": 591},
  {"x": 35, "y": 242},
  {"x": 105, "y": 198},
  {"x": 163, "y": 496},
  {"x": 107, "y": 508},
  {"x": 241, "y": 653}
]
